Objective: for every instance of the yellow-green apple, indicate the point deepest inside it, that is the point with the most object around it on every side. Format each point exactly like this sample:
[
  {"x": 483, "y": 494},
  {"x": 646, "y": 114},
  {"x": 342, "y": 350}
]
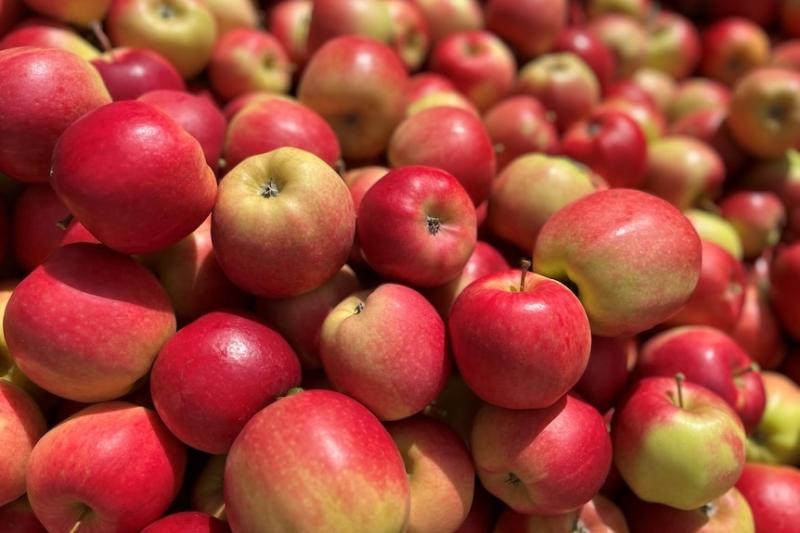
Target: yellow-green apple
[
  {"x": 644, "y": 112},
  {"x": 626, "y": 37},
  {"x": 638, "y": 9},
  {"x": 245, "y": 60},
  {"x": 444, "y": 17},
  {"x": 205, "y": 494},
  {"x": 590, "y": 48},
  {"x": 563, "y": 83},
  {"x": 528, "y": 191},
  {"x": 367, "y": 352},
  {"x": 517, "y": 125},
  {"x": 188, "y": 522},
  {"x": 11, "y": 13},
  {"x": 230, "y": 15},
  {"x": 183, "y": 31},
  {"x": 718, "y": 297},
  {"x": 23, "y": 425},
  {"x": 417, "y": 225},
  {"x": 334, "y": 18},
  {"x": 537, "y": 330},
  {"x": 130, "y": 72},
  {"x": 758, "y": 330},
  {"x": 450, "y": 139},
  {"x": 93, "y": 348},
  {"x": 274, "y": 121},
  {"x": 708, "y": 124},
  {"x": 42, "y": 32},
  {"x": 776, "y": 440},
  {"x": 133, "y": 205},
  {"x": 34, "y": 230},
  {"x": 607, "y": 373},
  {"x": 542, "y": 461},
  {"x": 18, "y": 517},
  {"x": 528, "y": 26},
  {"x": 611, "y": 144},
  {"x": 673, "y": 44},
  {"x": 480, "y": 65},
  {"x": 44, "y": 90},
  {"x": 410, "y": 35},
  {"x": 652, "y": 417},
  {"x": 732, "y": 47},
  {"x": 695, "y": 93},
  {"x": 709, "y": 357},
  {"x": 251, "y": 364},
  {"x": 299, "y": 318},
  {"x": 712, "y": 227},
  {"x": 771, "y": 492},
  {"x": 358, "y": 85},
  {"x": 277, "y": 214},
  {"x": 440, "y": 472},
  {"x": 198, "y": 115},
  {"x": 729, "y": 512},
  {"x": 111, "y": 466},
  {"x": 599, "y": 515},
  {"x": 288, "y": 21},
  {"x": 595, "y": 245},
  {"x": 763, "y": 113},
  {"x": 657, "y": 83},
  {"x": 81, "y": 13},
  {"x": 783, "y": 288},
  {"x": 342, "y": 471},
  {"x": 757, "y": 216}
]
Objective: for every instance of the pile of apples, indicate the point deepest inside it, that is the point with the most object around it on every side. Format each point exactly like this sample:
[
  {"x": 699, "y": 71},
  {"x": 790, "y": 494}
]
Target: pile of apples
[{"x": 385, "y": 266}]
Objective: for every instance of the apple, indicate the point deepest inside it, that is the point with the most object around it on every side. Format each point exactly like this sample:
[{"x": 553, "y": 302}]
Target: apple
[
  {"x": 712, "y": 227},
  {"x": 44, "y": 91},
  {"x": 637, "y": 9},
  {"x": 758, "y": 330},
  {"x": 590, "y": 48},
  {"x": 788, "y": 18},
  {"x": 761, "y": 13},
  {"x": 188, "y": 522},
  {"x": 354, "y": 477},
  {"x": 656, "y": 413},
  {"x": 599, "y": 515},
  {"x": 786, "y": 54},
  {"x": 646, "y": 114},
  {"x": 230, "y": 15},
  {"x": 451, "y": 98},
  {"x": 23, "y": 425},
  {"x": 130, "y": 72},
  {"x": 607, "y": 373},
  {"x": 530, "y": 26},
  {"x": 732, "y": 47},
  {"x": 288, "y": 22},
  {"x": 358, "y": 85},
  {"x": 626, "y": 37},
  {"x": 334, "y": 18},
  {"x": 783, "y": 287},
  {"x": 410, "y": 36},
  {"x": 248, "y": 59},
  {"x": 425, "y": 82},
  {"x": 457, "y": 405},
  {"x": 123, "y": 470},
  {"x": 11, "y": 13},
  {"x": 673, "y": 44},
  {"x": 583, "y": 245},
  {"x": 367, "y": 354},
  {"x": 77, "y": 345},
  {"x": 358, "y": 181},
  {"x": 440, "y": 472},
  {"x": 537, "y": 330},
  {"x": 205, "y": 493},
  {"x": 659, "y": 85},
  {"x": 18, "y": 517},
  {"x": 450, "y": 139},
  {"x": 695, "y": 93},
  {"x": 709, "y": 125},
  {"x": 34, "y": 221},
  {"x": 444, "y": 17},
  {"x": 131, "y": 204},
  {"x": 770, "y": 491},
  {"x": 43, "y": 32},
  {"x": 283, "y": 223},
  {"x": 757, "y": 216},
  {"x": 483, "y": 513},
  {"x": 542, "y": 461},
  {"x": 776, "y": 439}
]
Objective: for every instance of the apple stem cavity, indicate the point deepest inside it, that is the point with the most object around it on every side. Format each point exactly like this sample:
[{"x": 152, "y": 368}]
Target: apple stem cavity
[
  {"x": 513, "y": 480},
  {"x": 434, "y": 225},
  {"x": 64, "y": 222},
  {"x": 270, "y": 189},
  {"x": 679, "y": 378}
]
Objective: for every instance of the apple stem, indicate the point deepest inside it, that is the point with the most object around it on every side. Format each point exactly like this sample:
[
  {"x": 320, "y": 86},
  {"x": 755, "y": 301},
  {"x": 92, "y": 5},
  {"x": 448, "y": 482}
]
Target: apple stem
[
  {"x": 100, "y": 35},
  {"x": 220, "y": 512},
  {"x": 752, "y": 367},
  {"x": 76, "y": 527},
  {"x": 64, "y": 222},
  {"x": 525, "y": 266},
  {"x": 679, "y": 378}
]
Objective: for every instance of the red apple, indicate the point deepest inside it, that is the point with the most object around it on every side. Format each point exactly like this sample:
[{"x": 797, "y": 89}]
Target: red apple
[
  {"x": 44, "y": 32},
  {"x": 732, "y": 47},
  {"x": 530, "y": 26},
  {"x": 11, "y": 12},
  {"x": 626, "y": 37},
  {"x": 607, "y": 373},
  {"x": 695, "y": 93},
  {"x": 783, "y": 288},
  {"x": 188, "y": 522},
  {"x": 334, "y": 18},
  {"x": 445, "y": 17},
  {"x": 579, "y": 40},
  {"x": 34, "y": 225},
  {"x": 771, "y": 492},
  {"x": 410, "y": 36},
  {"x": 599, "y": 515},
  {"x": 645, "y": 113},
  {"x": 18, "y": 517},
  {"x": 130, "y": 72},
  {"x": 709, "y": 125},
  {"x": 758, "y": 217},
  {"x": 288, "y": 21},
  {"x": 758, "y": 330},
  {"x": 673, "y": 44}
]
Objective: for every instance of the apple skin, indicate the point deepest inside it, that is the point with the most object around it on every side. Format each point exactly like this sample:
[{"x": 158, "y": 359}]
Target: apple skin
[
  {"x": 759, "y": 218},
  {"x": 34, "y": 229},
  {"x": 288, "y": 21},
  {"x": 607, "y": 373},
  {"x": 251, "y": 364},
  {"x": 43, "y": 32},
  {"x": 652, "y": 415},
  {"x": 626, "y": 37},
  {"x": 130, "y": 72},
  {"x": 205, "y": 494},
  {"x": 44, "y": 90},
  {"x": 575, "y": 246},
  {"x": 445, "y": 17},
  {"x": 11, "y": 13},
  {"x": 695, "y": 93},
  {"x": 367, "y": 352},
  {"x": 109, "y": 343},
  {"x": 673, "y": 45},
  {"x": 542, "y": 461},
  {"x": 264, "y": 204},
  {"x": 79, "y": 13},
  {"x": 18, "y": 517},
  {"x": 590, "y": 48},
  {"x": 410, "y": 36},
  {"x": 188, "y": 522},
  {"x": 599, "y": 515},
  {"x": 417, "y": 225},
  {"x": 771, "y": 492},
  {"x": 758, "y": 330},
  {"x": 711, "y": 358},
  {"x": 775, "y": 440},
  {"x": 643, "y": 111},
  {"x": 111, "y": 466},
  {"x": 23, "y": 425},
  {"x": 354, "y": 476},
  {"x": 529, "y": 26},
  {"x": 131, "y": 204},
  {"x": 732, "y": 47},
  {"x": 334, "y": 18},
  {"x": 784, "y": 290}
]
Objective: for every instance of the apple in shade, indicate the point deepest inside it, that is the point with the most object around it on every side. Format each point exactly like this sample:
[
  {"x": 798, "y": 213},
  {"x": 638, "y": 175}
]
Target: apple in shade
[
  {"x": 440, "y": 472},
  {"x": 334, "y": 18},
  {"x": 653, "y": 415},
  {"x": 784, "y": 290},
  {"x": 583, "y": 245},
  {"x": 34, "y": 231},
  {"x": 358, "y": 181},
  {"x": 544, "y": 461},
  {"x": 183, "y": 31},
  {"x": 131, "y": 204},
  {"x": 358, "y": 85},
  {"x": 368, "y": 354},
  {"x": 410, "y": 35},
  {"x": 230, "y": 15},
  {"x": 528, "y": 191},
  {"x": 729, "y": 512},
  {"x": 758, "y": 330},
  {"x": 445, "y": 17},
  {"x": 578, "y": 40},
  {"x": 563, "y": 83},
  {"x": 426, "y": 82},
  {"x": 530, "y": 27},
  {"x": 673, "y": 44},
  {"x": 198, "y": 115},
  {"x": 205, "y": 493},
  {"x": 188, "y": 522},
  {"x": 353, "y": 475},
  {"x": 44, "y": 90},
  {"x": 709, "y": 125},
  {"x": 535, "y": 328},
  {"x": 772, "y": 492},
  {"x": 776, "y": 439},
  {"x": 695, "y": 93},
  {"x": 288, "y": 22},
  {"x": 732, "y": 47},
  {"x": 786, "y": 54},
  {"x": 758, "y": 217},
  {"x": 18, "y": 517},
  {"x": 626, "y": 37},
  {"x": 612, "y": 145},
  {"x": 607, "y": 373},
  {"x": 451, "y": 139},
  {"x": 599, "y": 515},
  {"x": 42, "y": 32},
  {"x": 283, "y": 223},
  {"x": 77, "y": 12},
  {"x": 111, "y": 466},
  {"x": 417, "y": 225},
  {"x": 246, "y": 60},
  {"x": 12, "y": 12},
  {"x": 763, "y": 115},
  {"x": 23, "y": 425}
]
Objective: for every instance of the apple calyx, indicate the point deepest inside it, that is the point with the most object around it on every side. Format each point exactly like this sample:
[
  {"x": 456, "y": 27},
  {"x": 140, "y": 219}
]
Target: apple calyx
[
  {"x": 433, "y": 224},
  {"x": 168, "y": 10},
  {"x": 359, "y": 307},
  {"x": 270, "y": 189},
  {"x": 64, "y": 222},
  {"x": 708, "y": 510},
  {"x": 513, "y": 480}
]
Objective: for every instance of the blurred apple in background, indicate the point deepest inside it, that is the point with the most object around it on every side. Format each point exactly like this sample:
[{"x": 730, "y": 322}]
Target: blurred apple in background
[
  {"x": 770, "y": 491},
  {"x": 529, "y": 26},
  {"x": 34, "y": 225},
  {"x": 758, "y": 217},
  {"x": 600, "y": 515},
  {"x": 783, "y": 288},
  {"x": 81, "y": 13},
  {"x": 334, "y": 18},
  {"x": 695, "y": 93},
  {"x": 289, "y": 21},
  {"x": 18, "y": 517},
  {"x": 578, "y": 40},
  {"x": 732, "y": 47},
  {"x": 188, "y": 522},
  {"x": 626, "y": 37},
  {"x": 611, "y": 360},
  {"x": 130, "y": 72},
  {"x": 233, "y": 14},
  {"x": 11, "y": 12},
  {"x": 659, "y": 85},
  {"x": 776, "y": 439},
  {"x": 644, "y": 112},
  {"x": 709, "y": 126},
  {"x": 43, "y": 32},
  {"x": 673, "y": 44},
  {"x": 712, "y": 227}
]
